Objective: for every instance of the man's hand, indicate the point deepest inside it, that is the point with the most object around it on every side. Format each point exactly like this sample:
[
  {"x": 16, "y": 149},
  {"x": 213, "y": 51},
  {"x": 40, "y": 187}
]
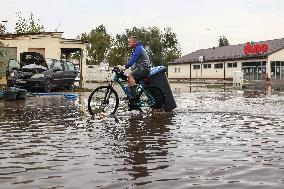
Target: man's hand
[{"x": 122, "y": 68}]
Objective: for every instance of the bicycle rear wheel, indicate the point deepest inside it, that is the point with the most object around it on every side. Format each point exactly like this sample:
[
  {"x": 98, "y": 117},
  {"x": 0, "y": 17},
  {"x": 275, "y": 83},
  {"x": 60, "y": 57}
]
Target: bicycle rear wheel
[
  {"x": 152, "y": 97},
  {"x": 103, "y": 99}
]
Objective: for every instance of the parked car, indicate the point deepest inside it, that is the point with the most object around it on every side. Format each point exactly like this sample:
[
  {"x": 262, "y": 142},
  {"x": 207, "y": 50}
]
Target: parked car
[{"x": 33, "y": 71}]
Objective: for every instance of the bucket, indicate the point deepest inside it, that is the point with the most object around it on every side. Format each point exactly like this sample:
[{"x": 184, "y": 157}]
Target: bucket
[
  {"x": 11, "y": 94},
  {"x": 71, "y": 96},
  {"x": 21, "y": 94},
  {"x": 1, "y": 95}
]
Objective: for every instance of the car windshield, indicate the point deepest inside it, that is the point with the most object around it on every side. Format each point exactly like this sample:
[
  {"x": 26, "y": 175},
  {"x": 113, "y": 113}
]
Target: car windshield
[
  {"x": 49, "y": 62},
  {"x": 13, "y": 64}
]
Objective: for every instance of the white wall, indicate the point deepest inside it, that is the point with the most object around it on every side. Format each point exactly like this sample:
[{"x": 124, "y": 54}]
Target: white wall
[
  {"x": 212, "y": 73},
  {"x": 95, "y": 74},
  {"x": 179, "y": 71},
  {"x": 230, "y": 70},
  {"x": 51, "y": 45}
]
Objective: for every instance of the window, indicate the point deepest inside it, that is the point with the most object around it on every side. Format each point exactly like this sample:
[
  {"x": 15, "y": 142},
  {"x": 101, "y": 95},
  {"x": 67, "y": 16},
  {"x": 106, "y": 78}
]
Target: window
[
  {"x": 196, "y": 67},
  {"x": 65, "y": 65},
  {"x": 71, "y": 66},
  {"x": 177, "y": 70},
  {"x": 218, "y": 66},
  {"x": 232, "y": 65},
  {"x": 49, "y": 62},
  {"x": 57, "y": 65},
  {"x": 205, "y": 66}
]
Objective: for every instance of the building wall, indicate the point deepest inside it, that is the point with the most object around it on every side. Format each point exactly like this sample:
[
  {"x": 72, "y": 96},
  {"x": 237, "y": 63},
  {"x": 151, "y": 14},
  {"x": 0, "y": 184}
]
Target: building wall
[
  {"x": 182, "y": 71},
  {"x": 51, "y": 45},
  {"x": 277, "y": 56},
  {"x": 179, "y": 71},
  {"x": 95, "y": 73},
  {"x": 213, "y": 73},
  {"x": 230, "y": 70}
]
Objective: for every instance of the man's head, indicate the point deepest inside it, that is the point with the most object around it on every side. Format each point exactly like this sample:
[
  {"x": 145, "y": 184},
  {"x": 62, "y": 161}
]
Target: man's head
[{"x": 132, "y": 41}]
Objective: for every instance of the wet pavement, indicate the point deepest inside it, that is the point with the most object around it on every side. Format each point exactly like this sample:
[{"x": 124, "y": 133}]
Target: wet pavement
[{"x": 215, "y": 138}]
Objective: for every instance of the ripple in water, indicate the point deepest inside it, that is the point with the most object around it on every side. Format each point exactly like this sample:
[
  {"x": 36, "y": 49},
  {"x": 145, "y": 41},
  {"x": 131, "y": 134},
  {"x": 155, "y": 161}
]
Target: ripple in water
[{"x": 212, "y": 140}]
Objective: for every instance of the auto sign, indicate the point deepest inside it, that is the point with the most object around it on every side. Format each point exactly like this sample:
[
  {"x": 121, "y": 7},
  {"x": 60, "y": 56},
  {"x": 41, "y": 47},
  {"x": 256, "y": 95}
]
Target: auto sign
[{"x": 252, "y": 48}]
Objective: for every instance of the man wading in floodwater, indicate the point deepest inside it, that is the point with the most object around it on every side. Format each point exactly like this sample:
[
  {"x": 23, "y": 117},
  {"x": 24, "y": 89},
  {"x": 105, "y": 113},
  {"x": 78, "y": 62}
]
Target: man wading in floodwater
[{"x": 139, "y": 63}]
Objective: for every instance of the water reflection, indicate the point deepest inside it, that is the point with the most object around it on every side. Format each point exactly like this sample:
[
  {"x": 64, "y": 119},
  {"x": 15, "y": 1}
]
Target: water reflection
[{"x": 146, "y": 143}]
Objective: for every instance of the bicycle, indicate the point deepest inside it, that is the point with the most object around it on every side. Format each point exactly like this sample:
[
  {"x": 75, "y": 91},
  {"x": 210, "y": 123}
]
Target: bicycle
[{"x": 104, "y": 99}]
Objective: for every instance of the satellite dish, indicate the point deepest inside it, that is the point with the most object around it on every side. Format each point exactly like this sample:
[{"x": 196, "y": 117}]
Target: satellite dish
[{"x": 201, "y": 58}]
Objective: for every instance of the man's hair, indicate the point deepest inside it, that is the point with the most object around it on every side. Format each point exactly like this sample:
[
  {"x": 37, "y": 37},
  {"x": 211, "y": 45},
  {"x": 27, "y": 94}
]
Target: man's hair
[{"x": 133, "y": 37}]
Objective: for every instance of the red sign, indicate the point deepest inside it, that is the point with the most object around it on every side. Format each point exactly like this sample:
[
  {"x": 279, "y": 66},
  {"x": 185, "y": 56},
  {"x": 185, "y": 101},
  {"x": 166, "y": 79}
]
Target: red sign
[{"x": 251, "y": 48}]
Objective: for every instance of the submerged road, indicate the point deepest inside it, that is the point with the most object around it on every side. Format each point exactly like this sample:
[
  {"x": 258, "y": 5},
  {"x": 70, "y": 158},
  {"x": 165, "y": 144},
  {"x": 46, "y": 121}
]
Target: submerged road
[{"x": 215, "y": 138}]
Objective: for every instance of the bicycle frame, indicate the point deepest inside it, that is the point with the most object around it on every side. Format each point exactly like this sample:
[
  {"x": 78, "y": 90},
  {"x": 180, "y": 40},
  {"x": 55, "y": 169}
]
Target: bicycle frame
[
  {"x": 145, "y": 95},
  {"x": 117, "y": 78}
]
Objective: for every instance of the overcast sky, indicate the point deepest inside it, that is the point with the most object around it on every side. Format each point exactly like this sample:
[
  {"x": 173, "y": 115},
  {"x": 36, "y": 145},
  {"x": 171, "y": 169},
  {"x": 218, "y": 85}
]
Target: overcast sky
[{"x": 197, "y": 23}]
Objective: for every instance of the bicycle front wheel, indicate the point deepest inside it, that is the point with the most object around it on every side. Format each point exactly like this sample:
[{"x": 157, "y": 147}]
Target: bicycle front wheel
[{"x": 103, "y": 99}]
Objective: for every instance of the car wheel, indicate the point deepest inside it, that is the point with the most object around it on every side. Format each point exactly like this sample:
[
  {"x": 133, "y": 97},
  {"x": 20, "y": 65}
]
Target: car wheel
[{"x": 48, "y": 85}]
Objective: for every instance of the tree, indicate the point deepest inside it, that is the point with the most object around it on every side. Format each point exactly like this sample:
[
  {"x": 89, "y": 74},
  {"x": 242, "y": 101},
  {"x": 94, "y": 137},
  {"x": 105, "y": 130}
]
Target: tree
[
  {"x": 2, "y": 52},
  {"x": 99, "y": 44},
  {"x": 223, "y": 41},
  {"x": 27, "y": 26},
  {"x": 118, "y": 53},
  {"x": 162, "y": 46},
  {"x": 2, "y": 29}
]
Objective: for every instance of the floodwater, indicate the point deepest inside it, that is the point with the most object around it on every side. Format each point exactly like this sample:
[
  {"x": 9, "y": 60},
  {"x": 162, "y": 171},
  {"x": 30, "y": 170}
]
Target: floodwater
[{"x": 215, "y": 138}]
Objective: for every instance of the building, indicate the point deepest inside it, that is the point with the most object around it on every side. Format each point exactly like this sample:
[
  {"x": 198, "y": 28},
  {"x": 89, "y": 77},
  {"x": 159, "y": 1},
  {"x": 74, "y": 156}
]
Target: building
[
  {"x": 99, "y": 73},
  {"x": 263, "y": 60},
  {"x": 49, "y": 44}
]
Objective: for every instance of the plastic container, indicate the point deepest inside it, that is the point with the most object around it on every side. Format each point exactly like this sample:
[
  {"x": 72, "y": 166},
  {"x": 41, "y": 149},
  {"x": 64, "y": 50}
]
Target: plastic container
[
  {"x": 11, "y": 94},
  {"x": 21, "y": 94},
  {"x": 1, "y": 95},
  {"x": 71, "y": 96},
  {"x": 158, "y": 78}
]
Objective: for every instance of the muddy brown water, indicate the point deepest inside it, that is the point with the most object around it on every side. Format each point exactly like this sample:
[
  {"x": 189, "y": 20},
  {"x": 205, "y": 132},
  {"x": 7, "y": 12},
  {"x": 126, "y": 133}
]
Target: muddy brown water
[{"x": 213, "y": 139}]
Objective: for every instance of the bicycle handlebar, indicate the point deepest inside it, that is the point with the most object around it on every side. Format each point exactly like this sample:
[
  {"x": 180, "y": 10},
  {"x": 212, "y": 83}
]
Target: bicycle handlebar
[{"x": 120, "y": 73}]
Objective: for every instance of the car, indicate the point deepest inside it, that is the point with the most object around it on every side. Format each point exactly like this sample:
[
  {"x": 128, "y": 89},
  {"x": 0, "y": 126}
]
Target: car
[{"x": 34, "y": 71}]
